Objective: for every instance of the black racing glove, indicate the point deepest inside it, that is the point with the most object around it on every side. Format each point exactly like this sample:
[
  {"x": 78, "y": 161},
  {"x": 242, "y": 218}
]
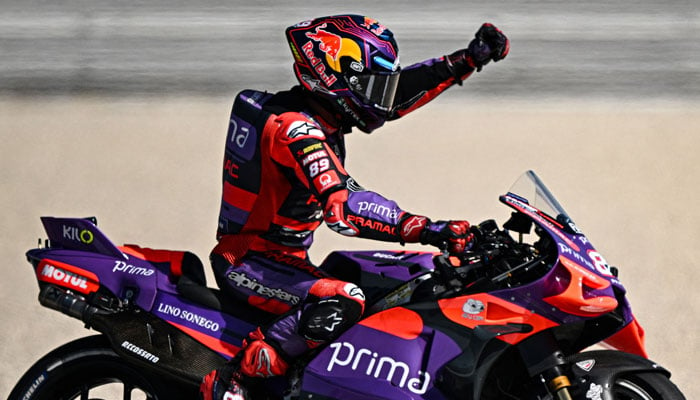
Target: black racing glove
[{"x": 489, "y": 43}]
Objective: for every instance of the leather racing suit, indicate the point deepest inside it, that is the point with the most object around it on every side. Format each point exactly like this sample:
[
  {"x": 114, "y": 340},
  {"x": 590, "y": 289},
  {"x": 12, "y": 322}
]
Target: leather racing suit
[{"x": 283, "y": 175}]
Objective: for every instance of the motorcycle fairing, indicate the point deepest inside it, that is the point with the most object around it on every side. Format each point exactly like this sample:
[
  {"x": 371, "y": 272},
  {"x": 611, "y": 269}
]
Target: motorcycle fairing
[
  {"x": 147, "y": 278},
  {"x": 507, "y": 321},
  {"x": 581, "y": 284},
  {"x": 79, "y": 234},
  {"x": 595, "y": 280},
  {"x": 366, "y": 362},
  {"x": 62, "y": 274},
  {"x": 218, "y": 331},
  {"x": 138, "y": 284},
  {"x": 443, "y": 355},
  {"x": 378, "y": 272},
  {"x": 629, "y": 339},
  {"x": 153, "y": 343}
]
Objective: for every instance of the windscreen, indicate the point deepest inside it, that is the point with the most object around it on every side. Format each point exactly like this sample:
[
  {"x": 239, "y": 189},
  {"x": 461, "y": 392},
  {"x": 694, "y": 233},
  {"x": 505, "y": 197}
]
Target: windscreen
[{"x": 531, "y": 188}]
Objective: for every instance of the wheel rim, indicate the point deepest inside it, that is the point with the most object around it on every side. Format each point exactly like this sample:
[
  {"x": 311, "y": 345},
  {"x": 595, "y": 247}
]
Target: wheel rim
[
  {"x": 627, "y": 390},
  {"x": 112, "y": 388}
]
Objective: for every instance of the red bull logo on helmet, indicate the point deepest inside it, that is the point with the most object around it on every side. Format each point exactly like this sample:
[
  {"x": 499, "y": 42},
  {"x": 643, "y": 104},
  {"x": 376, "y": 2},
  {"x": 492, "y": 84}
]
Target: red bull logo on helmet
[
  {"x": 317, "y": 65},
  {"x": 330, "y": 43},
  {"x": 334, "y": 46}
]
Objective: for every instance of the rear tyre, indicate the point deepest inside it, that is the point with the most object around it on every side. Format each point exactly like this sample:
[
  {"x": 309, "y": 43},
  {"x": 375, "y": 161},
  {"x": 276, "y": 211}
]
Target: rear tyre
[{"x": 88, "y": 369}]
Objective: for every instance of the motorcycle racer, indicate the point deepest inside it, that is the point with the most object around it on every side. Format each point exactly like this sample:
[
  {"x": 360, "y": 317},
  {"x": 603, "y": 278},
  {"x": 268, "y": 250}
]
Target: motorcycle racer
[{"x": 284, "y": 174}]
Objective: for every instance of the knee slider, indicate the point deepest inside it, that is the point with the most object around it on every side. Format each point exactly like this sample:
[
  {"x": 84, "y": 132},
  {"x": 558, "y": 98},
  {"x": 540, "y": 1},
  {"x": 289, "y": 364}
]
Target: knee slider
[{"x": 327, "y": 319}]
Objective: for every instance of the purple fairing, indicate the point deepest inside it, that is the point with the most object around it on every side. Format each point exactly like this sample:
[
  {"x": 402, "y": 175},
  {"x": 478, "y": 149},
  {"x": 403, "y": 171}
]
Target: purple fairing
[
  {"x": 575, "y": 247},
  {"x": 147, "y": 285},
  {"x": 201, "y": 321},
  {"x": 365, "y": 362},
  {"x": 396, "y": 265},
  {"x": 372, "y": 205},
  {"x": 79, "y": 234}
]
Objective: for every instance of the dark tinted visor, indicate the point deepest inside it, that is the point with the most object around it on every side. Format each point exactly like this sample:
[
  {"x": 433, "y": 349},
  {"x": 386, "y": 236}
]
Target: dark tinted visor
[{"x": 376, "y": 89}]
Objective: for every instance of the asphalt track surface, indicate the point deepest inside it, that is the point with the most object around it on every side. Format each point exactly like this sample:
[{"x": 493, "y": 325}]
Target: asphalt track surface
[{"x": 588, "y": 98}]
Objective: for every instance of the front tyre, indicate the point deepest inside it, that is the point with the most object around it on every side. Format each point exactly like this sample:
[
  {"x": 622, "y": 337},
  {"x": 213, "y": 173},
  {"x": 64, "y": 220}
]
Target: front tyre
[
  {"x": 615, "y": 375},
  {"x": 645, "y": 386},
  {"x": 88, "y": 368}
]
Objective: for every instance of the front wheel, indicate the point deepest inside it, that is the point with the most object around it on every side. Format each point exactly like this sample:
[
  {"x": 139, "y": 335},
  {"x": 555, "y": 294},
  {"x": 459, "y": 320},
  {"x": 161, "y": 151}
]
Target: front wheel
[
  {"x": 645, "y": 386},
  {"x": 615, "y": 375},
  {"x": 88, "y": 368}
]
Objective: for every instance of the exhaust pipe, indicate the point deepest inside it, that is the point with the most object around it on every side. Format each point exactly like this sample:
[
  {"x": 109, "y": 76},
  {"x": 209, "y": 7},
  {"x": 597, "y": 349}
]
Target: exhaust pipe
[{"x": 67, "y": 303}]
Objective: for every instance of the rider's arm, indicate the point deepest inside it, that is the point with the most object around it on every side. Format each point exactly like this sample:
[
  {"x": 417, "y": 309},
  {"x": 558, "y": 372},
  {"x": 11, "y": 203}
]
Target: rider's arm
[
  {"x": 422, "y": 82},
  {"x": 348, "y": 208}
]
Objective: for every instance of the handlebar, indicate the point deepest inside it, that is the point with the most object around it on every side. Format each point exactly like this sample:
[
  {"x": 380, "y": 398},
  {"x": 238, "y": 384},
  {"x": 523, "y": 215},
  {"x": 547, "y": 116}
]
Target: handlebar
[{"x": 495, "y": 260}]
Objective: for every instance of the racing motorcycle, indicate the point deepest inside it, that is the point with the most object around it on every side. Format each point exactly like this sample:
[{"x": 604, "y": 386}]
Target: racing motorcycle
[{"x": 513, "y": 317}]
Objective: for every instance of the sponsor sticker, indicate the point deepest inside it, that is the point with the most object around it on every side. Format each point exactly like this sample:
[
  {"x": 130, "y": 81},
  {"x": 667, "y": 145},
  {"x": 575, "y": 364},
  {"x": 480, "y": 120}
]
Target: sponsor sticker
[
  {"x": 140, "y": 352},
  {"x": 67, "y": 276},
  {"x": 189, "y": 316},
  {"x": 472, "y": 309},
  {"x": 326, "y": 181},
  {"x": 302, "y": 128},
  {"x": 310, "y": 148},
  {"x": 586, "y": 365},
  {"x": 121, "y": 266},
  {"x": 314, "y": 157},
  {"x": 329, "y": 43},
  {"x": 595, "y": 392},
  {"x": 76, "y": 234},
  {"x": 381, "y": 367}
]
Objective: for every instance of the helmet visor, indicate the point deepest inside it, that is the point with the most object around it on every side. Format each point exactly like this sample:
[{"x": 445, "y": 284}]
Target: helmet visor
[{"x": 375, "y": 89}]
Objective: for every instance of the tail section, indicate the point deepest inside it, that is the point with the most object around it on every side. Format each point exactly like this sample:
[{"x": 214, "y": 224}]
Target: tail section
[{"x": 79, "y": 234}]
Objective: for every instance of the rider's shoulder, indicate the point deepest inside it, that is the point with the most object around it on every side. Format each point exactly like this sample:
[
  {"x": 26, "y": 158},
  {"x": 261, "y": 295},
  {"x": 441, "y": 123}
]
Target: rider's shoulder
[
  {"x": 293, "y": 126},
  {"x": 252, "y": 98}
]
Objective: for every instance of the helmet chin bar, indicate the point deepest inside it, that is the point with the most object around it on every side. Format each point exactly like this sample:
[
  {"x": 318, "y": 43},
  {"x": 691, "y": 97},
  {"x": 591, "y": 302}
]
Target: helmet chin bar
[{"x": 359, "y": 116}]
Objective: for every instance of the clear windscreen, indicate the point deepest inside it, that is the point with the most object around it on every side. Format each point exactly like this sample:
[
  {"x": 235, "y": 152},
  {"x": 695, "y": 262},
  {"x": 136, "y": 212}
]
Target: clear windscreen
[{"x": 531, "y": 188}]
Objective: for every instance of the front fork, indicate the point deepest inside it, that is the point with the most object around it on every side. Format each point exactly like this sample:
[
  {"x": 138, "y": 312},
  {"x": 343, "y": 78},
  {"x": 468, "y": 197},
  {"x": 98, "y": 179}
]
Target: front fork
[
  {"x": 544, "y": 360},
  {"x": 557, "y": 383}
]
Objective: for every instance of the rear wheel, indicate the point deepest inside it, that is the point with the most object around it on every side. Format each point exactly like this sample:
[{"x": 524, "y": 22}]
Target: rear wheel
[{"x": 88, "y": 369}]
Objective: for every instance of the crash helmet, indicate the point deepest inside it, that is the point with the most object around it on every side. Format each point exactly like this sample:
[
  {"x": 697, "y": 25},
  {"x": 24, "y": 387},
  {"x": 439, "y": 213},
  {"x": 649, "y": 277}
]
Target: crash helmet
[{"x": 352, "y": 61}]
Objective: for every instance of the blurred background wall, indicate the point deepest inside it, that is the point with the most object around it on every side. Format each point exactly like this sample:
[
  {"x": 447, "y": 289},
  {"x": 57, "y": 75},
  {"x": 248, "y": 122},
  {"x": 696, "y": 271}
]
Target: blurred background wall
[{"x": 630, "y": 49}]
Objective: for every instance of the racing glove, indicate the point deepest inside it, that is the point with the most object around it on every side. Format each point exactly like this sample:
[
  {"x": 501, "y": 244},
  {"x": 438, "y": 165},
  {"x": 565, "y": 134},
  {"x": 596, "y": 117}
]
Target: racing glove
[
  {"x": 489, "y": 43},
  {"x": 453, "y": 236}
]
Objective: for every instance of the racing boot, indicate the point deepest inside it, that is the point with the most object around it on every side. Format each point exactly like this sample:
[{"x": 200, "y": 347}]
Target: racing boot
[
  {"x": 222, "y": 384},
  {"x": 256, "y": 359},
  {"x": 259, "y": 359}
]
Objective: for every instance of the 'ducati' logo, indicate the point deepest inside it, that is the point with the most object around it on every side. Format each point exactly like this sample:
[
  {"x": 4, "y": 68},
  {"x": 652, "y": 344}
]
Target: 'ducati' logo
[{"x": 67, "y": 276}]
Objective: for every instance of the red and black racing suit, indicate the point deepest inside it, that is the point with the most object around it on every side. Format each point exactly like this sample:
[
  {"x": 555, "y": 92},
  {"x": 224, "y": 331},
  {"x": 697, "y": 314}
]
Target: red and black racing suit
[{"x": 283, "y": 175}]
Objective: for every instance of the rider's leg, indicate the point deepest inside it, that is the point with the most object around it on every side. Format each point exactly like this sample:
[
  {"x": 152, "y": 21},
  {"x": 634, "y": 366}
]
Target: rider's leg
[{"x": 318, "y": 309}]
